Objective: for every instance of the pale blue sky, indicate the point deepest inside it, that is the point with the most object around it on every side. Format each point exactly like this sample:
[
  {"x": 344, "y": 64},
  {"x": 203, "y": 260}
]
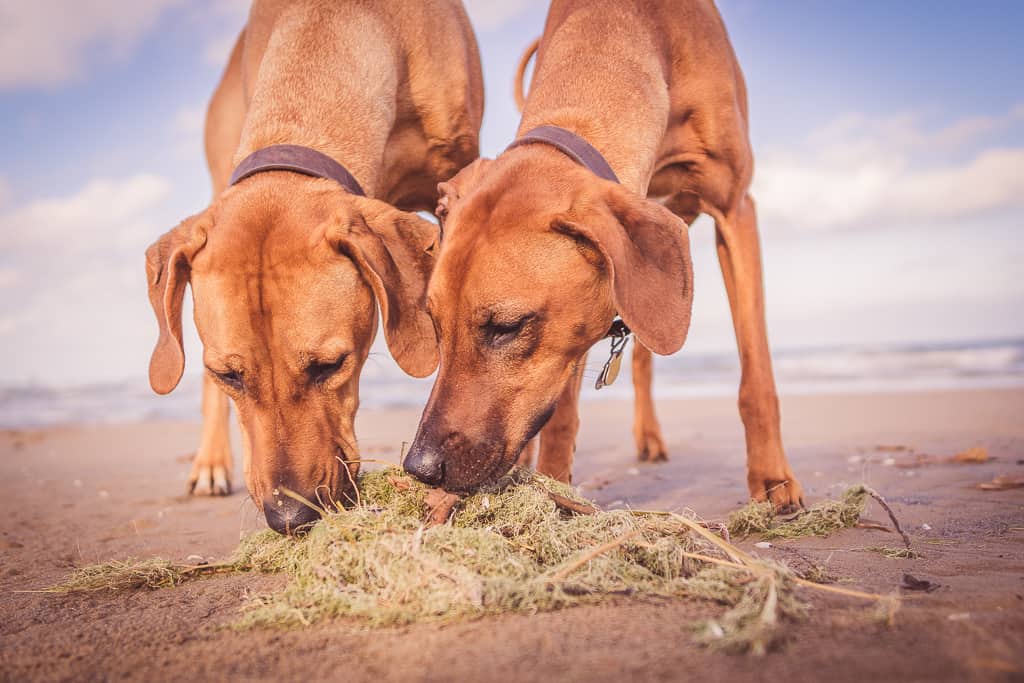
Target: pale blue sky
[{"x": 889, "y": 141}]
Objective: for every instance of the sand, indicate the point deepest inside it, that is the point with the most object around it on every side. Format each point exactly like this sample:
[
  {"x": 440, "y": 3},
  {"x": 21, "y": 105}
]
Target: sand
[{"x": 76, "y": 495}]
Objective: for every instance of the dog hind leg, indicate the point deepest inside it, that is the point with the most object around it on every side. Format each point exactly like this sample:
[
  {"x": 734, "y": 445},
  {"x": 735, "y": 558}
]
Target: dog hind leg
[
  {"x": 769, "y": 476},
  {"x": 650, "y": 446},
  {"x": 647, "y": 434}
]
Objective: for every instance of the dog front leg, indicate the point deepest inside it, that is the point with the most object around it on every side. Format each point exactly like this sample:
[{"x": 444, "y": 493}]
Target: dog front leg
[
  {"x": 211, "y": 469},
  {"x": 558, "y": 436},
  {"x": 646, "y": 431},
  {"x": 769, "y": 476}
]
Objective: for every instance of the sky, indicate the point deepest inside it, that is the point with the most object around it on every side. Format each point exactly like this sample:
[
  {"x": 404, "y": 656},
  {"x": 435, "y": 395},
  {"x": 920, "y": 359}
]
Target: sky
[{"x": 888, "y": 137}]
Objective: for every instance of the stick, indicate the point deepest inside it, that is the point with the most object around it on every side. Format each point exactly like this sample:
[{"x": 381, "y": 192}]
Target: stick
[
  {"x": 599, "y": 550},
  {"x": 803, "y": 582},
  {"x": 571, "y": 505},
  {"x": 712, "y": 524},
  {"x": 377, "y": 461},
  {"x": 351, "y": 480},
  {"x": 439, "y": 506},
  {"x": 213, "y": 568},
  {"x": 729, "y": 549},
  {"x": 843, "y": 591},
  {"x": 881, "y": 501}
]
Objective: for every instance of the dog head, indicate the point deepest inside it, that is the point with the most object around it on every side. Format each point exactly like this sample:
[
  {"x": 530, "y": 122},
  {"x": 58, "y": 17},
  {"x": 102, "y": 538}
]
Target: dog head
[
  {"x": 538, "y": 256},
  {"x": 287, "y": 273}
]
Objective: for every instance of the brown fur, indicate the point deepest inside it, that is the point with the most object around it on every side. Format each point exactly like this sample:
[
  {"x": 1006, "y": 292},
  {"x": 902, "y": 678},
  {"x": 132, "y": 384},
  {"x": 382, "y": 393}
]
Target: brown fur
[
  {"x": 656, "y": 88},
  {"x": 287, "y": 271}
]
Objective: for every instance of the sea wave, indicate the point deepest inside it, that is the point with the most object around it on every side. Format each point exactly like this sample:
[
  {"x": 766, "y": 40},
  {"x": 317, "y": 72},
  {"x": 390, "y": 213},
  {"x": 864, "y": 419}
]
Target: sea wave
[{"x": 996, "y": 363}]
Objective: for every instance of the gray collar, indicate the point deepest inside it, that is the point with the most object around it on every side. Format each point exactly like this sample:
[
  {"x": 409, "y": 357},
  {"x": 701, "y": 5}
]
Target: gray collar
[
  {"x": 573, "y": 146},
  {"x": 297, "y": 159}
]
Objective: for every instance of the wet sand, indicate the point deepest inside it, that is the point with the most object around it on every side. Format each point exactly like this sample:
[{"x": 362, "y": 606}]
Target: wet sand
[{"x": 75, "y": 495}]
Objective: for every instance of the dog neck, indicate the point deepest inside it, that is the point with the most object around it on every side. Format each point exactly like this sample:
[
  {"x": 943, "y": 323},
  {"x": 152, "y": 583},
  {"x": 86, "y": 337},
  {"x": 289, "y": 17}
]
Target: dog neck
[
  {"x": 348, "y": 117},
  {"x": 621, "y": 109},
  {"x": 573, "y": 146}
]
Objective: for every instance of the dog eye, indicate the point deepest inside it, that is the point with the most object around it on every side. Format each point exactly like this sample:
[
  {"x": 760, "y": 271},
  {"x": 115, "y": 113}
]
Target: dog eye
[
  {"x": 321, "y": 372},
  {"x": 502, "y": 332},
  {"x": 231, "y": 378}
]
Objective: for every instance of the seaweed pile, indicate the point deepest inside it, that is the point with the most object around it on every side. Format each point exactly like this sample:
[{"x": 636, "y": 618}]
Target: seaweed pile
[{"x": 527, "y": 544}]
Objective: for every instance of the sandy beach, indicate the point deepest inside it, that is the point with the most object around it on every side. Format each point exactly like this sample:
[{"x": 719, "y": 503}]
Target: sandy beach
[{"x": 82, "y": 494}]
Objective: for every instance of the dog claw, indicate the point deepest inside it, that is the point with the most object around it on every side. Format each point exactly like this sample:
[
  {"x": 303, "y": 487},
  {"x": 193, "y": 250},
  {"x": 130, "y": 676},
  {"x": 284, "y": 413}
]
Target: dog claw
[
  {"x": 221, "y": 485},
  {"x": 650, "y": 448},
  {"x": 785, "y": 494},
  {"x": 658, "y": 456},
  {"x": 209, "y": 481}
]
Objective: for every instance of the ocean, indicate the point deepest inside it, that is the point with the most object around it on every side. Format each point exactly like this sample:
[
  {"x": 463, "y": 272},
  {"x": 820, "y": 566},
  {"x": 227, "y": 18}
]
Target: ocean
[{"x": 855, "y": 369}]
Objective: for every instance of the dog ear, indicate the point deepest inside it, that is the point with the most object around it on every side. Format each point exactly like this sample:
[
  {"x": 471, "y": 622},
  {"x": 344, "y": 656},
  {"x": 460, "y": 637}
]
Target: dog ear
[
  {"x": 451, "y": 190},
  {"x": 394, "y": 250},
  {"x": 168, "y": 265},
  {"x": 646, "y": 250}
]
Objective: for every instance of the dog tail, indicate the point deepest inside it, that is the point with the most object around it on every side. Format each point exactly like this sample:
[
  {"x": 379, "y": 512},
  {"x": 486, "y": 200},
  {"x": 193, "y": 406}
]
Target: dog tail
[{"x": 524, "y": 61}]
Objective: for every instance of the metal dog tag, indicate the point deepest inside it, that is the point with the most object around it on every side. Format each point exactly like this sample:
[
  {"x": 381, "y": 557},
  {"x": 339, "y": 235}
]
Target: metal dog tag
[{"x": 611, "y": 368}]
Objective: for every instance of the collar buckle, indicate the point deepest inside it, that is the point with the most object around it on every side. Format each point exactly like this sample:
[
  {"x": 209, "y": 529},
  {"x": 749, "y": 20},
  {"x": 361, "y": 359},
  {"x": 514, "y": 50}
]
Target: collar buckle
[{"x": 619, "y": 334}]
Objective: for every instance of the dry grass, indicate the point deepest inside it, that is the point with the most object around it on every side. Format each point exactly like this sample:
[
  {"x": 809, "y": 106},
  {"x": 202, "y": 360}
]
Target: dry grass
[
  {"x": 895, "y": 553},
  {"x": 823, "y": 519},
  {"x": 507, "y": 549}
]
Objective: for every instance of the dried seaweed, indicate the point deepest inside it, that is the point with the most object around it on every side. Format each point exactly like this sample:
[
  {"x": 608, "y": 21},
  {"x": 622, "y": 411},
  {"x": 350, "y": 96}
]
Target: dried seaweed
[{"x": 526, "y": 544}]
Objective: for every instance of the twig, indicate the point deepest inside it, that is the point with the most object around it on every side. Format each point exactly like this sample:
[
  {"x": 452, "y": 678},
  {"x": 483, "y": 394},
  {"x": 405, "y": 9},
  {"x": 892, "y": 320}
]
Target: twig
[
  {"x": 843, "y": 591},
  {"x": 714, "y": 560},
  {"x": 302, "y": 499},
  {"x": 714, "y": 524},
  {"x": 212, "y": 568},
  {"x": 729, "y": 549},
  {"x": 352, "y": 480},
  {"x": 599, "y": 550},
  {"x": 439, "y": 506},
  {"x": 809, "y": 562},
  {"x": 895, "y": 522},
  {"x": 571, "y": 505},
  {"x": 803, "y": 582}
]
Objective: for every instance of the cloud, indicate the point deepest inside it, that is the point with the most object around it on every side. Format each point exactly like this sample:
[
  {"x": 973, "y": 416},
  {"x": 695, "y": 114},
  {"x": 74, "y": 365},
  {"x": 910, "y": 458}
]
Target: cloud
[
  {"x": 490, "y": 14},
  {"x": 992, "y": 180},
  {"x": 858, "y": 172},
  {"x": 102, "y": 211},
  {"x": 231, "y": 15},
  {"x": 9, "y": 277},
  {"x": 186, "y": 135},
  {"x": 47, "y": 42},
  {"x": 189, "y": 121},
  {"x": 72, "y": 284},
  {"x": 218, "y": 50}
]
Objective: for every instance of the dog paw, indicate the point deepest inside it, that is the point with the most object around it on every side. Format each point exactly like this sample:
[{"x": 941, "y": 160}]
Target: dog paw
[
  {"x": 778, "y": 486},
  {"x": 650, "y": 447},
  {"x": 211, "y": 475}
]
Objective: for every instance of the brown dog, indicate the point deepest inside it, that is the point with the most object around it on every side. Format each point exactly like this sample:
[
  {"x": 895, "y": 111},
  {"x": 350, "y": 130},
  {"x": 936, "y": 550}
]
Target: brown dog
[
  {"x": 539, "y": 253},
  {"x": 285, "y": 267}
]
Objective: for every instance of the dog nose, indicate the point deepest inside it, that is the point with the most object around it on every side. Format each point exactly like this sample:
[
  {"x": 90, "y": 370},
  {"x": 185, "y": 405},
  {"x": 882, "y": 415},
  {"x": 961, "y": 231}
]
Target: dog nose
[
  {"x": 426, "y": 464},
  {"x": 287, "y": 516}
]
